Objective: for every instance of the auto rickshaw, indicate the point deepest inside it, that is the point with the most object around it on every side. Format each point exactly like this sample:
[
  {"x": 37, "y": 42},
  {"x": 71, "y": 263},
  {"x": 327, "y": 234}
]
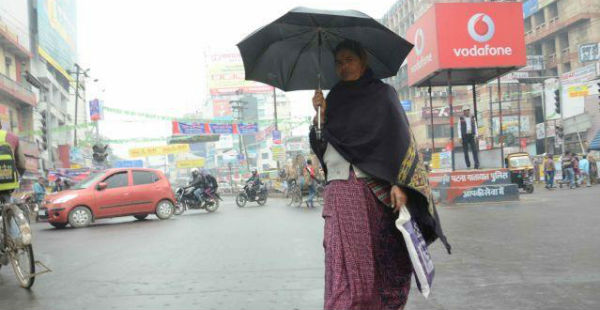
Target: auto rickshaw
[{"x": 521, "y": 170}]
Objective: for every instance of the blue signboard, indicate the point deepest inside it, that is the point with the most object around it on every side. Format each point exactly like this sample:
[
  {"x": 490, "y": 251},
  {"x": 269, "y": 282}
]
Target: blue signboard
[
  {"x": 129, "y": 163},
  {"x": 406, "y": 105},
  {"x": 530, "y": 7},
  {"x": 277, "y": 137}
]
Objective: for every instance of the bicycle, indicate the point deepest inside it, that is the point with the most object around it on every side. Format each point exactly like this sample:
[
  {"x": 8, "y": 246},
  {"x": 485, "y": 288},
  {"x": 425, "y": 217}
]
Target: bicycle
[
  {"x": 295, "y": 194},
  {"x": 15, "y": 245},
  {"x": 320, "y": 189}
]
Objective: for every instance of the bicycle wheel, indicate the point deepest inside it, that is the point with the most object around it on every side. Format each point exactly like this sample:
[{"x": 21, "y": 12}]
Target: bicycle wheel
[
  {"x": 24, "y": 265},
  {"x": 21, "y": 257},
  {"x": 297, "y": 202}
]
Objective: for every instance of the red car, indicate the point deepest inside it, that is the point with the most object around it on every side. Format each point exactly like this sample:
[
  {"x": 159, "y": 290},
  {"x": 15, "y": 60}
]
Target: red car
[{"x": 112, "y": 193}]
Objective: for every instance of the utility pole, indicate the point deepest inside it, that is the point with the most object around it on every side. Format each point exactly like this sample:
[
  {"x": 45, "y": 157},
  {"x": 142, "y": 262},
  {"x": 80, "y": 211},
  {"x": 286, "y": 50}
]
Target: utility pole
[
  {"x": 78, "y": 71},
  {"x": 238, "y": 107},
  {"x": 275, "y": 117}
]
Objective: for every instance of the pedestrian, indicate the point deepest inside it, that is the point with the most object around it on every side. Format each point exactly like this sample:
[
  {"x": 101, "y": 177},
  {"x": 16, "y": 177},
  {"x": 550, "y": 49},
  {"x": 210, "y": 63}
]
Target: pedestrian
[
  {"x": 58, "y": 185},
  {"x": 66, "y": 184},
  {"x": 549, "y": 171},
  {"x": 310, "y": 173},
  {"x": 593, "y": 168},
  {"x": 569, "y": 173},
  {"x": 576, "y": 169},
  {"x": 369, "y": 157},
  {"x": 467, "y": 134},
  {"x": 584, "y": 170},
  {"x": 39, "y": 190}
]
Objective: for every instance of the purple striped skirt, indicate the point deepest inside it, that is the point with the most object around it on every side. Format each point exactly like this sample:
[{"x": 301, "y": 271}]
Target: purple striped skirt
[{"x": 366, "y": 261}]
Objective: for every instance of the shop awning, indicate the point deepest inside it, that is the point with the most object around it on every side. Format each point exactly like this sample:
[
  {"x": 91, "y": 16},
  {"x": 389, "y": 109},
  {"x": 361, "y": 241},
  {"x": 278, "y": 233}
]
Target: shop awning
[{"x": 595, "y": 144}]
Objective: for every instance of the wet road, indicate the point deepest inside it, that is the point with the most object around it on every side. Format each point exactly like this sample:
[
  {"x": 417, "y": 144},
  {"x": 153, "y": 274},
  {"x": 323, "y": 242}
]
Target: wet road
[{"x": 540, "y": 253}]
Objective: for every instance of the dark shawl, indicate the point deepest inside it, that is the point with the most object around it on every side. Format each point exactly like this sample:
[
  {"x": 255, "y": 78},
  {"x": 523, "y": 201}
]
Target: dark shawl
[{"x": 366, "y": 124}]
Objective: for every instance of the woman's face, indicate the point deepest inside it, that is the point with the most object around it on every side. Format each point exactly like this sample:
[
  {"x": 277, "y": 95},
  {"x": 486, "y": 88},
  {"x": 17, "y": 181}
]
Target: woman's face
[{"x": 348, "y": 66}]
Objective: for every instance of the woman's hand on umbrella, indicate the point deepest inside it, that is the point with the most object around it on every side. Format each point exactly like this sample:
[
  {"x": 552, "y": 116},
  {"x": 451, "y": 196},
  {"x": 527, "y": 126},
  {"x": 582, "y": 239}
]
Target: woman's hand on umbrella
[
  {"x": 398, "y": 198},
  {"x": 319, "y": 101}
]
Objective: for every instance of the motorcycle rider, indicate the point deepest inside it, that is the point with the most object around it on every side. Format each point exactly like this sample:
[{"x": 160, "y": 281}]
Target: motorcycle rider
[
  {"x": 197, "y": 183},
  {"x": 254, "y": 183},
  {"x": 210, "y": 182}
]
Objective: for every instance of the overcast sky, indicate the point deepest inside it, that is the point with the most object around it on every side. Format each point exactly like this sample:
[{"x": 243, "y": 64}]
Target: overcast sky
[{"x": 147, "y": 55}]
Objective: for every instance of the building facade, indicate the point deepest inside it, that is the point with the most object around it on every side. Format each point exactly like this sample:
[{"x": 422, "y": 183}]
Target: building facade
[{"x": 18, "y": 101}]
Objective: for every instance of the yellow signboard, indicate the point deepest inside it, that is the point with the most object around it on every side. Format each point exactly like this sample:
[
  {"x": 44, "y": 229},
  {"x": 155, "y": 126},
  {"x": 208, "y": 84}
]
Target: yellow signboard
[
  {"x": 159, "y": 150},
  {"x": 578, "y": 91},
  {"x": 278, "y": 152},
  {"x": 191, "y": 163}
]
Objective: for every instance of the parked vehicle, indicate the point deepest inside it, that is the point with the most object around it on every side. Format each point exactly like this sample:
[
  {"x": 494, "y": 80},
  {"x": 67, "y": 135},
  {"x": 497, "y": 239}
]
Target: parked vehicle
[
  {"x": 244, "y": 196},
  {"x": 187, "y": 200},
  {"x": 521, "y": 170},
  {"x": 112, "y": 193}
]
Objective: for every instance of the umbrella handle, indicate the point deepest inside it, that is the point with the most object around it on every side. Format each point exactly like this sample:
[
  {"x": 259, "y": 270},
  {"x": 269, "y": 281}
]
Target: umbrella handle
[{"x": 318, "y": 131}]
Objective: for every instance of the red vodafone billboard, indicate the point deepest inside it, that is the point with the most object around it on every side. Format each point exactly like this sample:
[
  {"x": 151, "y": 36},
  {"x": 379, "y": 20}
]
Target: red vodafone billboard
[{"x": 477, "y": 41}]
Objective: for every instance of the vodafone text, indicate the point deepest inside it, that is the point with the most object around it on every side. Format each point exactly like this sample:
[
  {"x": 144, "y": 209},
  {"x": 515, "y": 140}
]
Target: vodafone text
[{"x": 486, "y": 50}]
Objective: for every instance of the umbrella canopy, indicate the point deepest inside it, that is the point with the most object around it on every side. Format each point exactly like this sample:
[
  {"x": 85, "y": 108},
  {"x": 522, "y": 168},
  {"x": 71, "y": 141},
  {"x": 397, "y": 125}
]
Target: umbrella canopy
[{"x": 295, "y": 52}]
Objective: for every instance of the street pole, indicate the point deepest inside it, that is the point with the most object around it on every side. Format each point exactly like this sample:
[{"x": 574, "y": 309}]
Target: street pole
[
  {"x": 491, "y": 116},
  {"x": 450, "y": 99},
  {"x": 76, "y": 102},
  {"x": 546, "y": 150},
  {"x": 562, "y": 115},
  {"x": 500, "y": 122},
  {"x": 238, "y": 108},
  {"x": 432, "y": 126},
  {"x": 275, "y": 117},
  {"x": 519, "y": 116}
]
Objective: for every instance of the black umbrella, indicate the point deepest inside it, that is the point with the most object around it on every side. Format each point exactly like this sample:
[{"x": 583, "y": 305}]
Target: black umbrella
[{"x": 295, "y": 52}]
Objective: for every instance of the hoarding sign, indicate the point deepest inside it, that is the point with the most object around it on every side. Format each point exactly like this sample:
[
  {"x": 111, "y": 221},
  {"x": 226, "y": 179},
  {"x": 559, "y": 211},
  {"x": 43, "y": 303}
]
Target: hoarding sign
[
  {"x": 95, "y": 110},
  {"x": 441, "y": 112},
  {"x": 191, "y": 163},
  {"x": 466, "y": 36},
  {"x": 530, "y": 7},
  {"x": 480, "y": 35},
  {"x": 129, "y": 163},
  {"x": 589, "y": 52},
  {"x": 406, "y": 105},
  {"x": 159, "y": 150},
  {"x": 57, "y": 32}
]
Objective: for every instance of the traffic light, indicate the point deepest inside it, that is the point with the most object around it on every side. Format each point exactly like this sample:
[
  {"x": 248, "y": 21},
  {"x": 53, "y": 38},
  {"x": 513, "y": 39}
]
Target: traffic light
[
  {"x": 44, "y": 129},
  {"x": 100, "y": 153},
  {"x": 559, "y": 132}
]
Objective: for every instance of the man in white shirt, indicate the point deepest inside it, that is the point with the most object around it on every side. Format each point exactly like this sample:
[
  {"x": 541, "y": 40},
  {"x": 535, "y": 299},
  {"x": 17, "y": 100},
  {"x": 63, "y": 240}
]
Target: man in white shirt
[{"x": 467, "y": 134}]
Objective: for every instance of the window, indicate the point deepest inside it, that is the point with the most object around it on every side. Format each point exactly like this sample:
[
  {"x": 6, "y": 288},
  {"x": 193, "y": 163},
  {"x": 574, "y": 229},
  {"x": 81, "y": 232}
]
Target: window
[
  {"x": 265, "y": 155},
  {"x": 144, "y": 177},
  {"x": 440, "y": 131},
  {"x": 119, "y": 179}
]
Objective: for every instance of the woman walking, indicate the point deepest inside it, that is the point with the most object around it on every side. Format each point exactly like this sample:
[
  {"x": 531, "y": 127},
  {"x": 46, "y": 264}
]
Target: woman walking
[{"x": 371, "y": 164}]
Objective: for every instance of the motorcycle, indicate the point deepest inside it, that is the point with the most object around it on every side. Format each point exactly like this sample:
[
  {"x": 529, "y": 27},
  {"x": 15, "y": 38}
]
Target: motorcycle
[
  {"x": 34, "y": 211},
  {"x": 187, "y": 200},
  {"x": 243, "y": 197}
]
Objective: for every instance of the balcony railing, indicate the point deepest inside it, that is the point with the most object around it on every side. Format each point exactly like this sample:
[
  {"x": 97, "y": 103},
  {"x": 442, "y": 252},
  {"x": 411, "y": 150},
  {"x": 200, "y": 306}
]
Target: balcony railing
[
  {"x": 553, "y": 25},
  {"x": 17, "y": 91},
  {"x": 12, "y": 42}
]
